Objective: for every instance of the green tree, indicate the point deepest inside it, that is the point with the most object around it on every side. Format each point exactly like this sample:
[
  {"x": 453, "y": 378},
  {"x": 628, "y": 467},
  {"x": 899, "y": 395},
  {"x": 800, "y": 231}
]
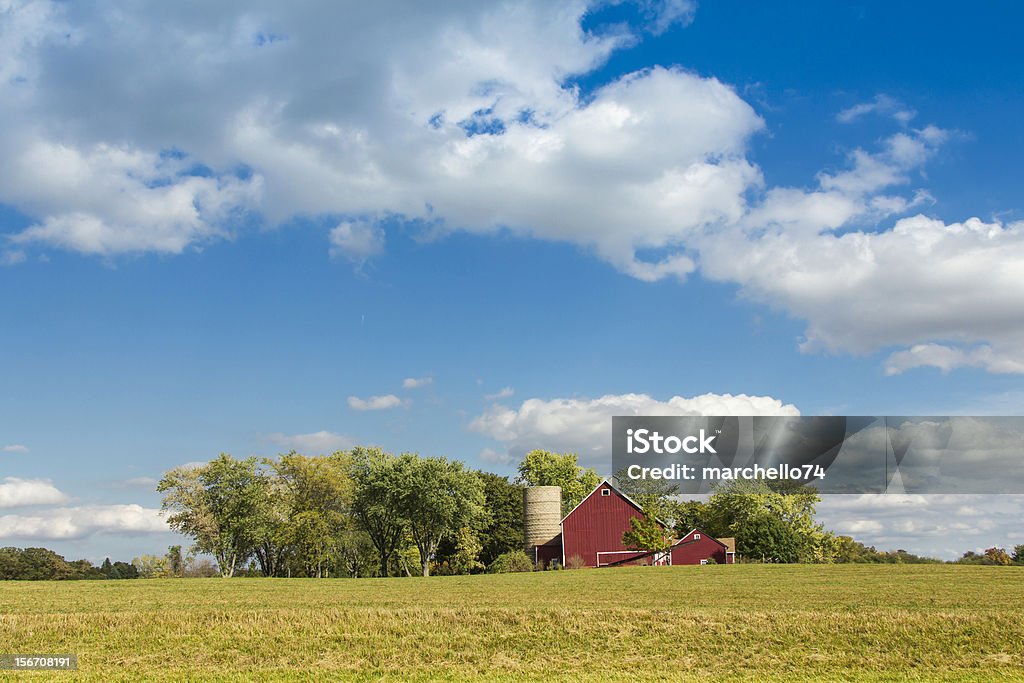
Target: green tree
[
  {"x": 439, "y": 497},
  {"x": 175, "y": 561},
  {"x": 377, "y": 502},
  {"x": 124, "y": 570},
  {"x": 770, "y": 519},
  {"x": 544, "y": 468},
  {"x": 647, "y": 534},
  {"x": 107, "y": 568},
  {"x": 217, "y": 506},
  {"x": 502, "y": 528},
  {"x": 767, "y": 537},
  {"x": 151, "y": 566},
  {"x": 318, "y": 493}
]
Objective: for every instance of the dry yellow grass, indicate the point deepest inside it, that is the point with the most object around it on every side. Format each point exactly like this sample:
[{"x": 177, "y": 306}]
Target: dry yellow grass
[{"x": 667, "y": 623}]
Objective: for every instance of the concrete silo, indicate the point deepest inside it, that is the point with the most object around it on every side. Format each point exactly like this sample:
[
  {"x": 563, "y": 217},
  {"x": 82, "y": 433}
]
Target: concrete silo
[{"x": 542, "y": 517}]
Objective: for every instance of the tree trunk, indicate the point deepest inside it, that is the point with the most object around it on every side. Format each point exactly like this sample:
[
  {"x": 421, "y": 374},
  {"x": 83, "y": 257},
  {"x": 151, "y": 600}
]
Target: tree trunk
[{"x": 383, "y": 565}]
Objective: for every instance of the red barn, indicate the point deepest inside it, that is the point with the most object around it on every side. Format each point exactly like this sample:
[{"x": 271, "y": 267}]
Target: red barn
[{"x": 591, "y": 536}]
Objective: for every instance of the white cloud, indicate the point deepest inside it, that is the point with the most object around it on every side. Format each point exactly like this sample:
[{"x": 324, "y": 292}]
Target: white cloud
[
  {"x": 318, "y": 443},
  {"x": 663, "y": 14},
  {"x": 493, "y": 457},
  {"x": 881, "y": 104},
  {"x": 356, "y": 240},
  {"x": 385, "y": 402},
  {"x": 111, "y": 200},
  {"x": 943, "y": 526},
  {"x": 583, "y": 426},
  {"x": 417, "y": 382},
  {"x": 16, "y": 492},
  {"x": 923, "y": 280},
  {"x": 396, "y": 139},
  {"x": 15, "y": 448},
  {"x": 83, "y": 521},
  {"x": 504, "y": 393},
  {"x": 156, "y": 129}
]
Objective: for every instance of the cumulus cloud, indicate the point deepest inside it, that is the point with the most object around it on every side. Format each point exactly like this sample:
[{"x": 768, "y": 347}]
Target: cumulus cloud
[
  {"x": 133, "y": 129},
  {"x": 118, "y": 199},
  {"x": 15, "y": 448},
  {"x": 943, "y": 526},
  {"x": 385, "y": 402},
  {"x": 15, "y": 492},
  {"x": 321, "y": 442},
  {"x": 356, "y": 240},
  {"x": 417, "y": 382},
  {"x": 83, "y": 521},
  {"x": 493, "y": 457},
  {"x": 583, "y": 426},
  {"x": 924, "y": 279}
]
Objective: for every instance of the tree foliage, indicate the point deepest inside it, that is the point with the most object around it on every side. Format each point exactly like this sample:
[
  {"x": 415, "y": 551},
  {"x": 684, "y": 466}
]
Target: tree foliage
[
  {"x": 501, "y": 530},
  {"x": 648, "y": 534},
  {"x": 217, "y": 505},
  {"x": 544, "y": 468},
  {"x": 438, "y": 498},
  {"x": 771, "y": 521},
  {"x": 377, "y": 503}
]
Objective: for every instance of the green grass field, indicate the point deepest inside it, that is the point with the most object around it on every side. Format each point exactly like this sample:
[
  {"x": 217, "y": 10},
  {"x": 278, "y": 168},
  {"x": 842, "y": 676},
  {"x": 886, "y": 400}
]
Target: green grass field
[{"x": 891, "y": 622}]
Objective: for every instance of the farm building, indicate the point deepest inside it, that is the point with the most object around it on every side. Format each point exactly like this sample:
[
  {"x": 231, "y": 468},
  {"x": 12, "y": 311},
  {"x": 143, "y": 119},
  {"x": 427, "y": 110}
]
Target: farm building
[{"x": 591, "y": 534}]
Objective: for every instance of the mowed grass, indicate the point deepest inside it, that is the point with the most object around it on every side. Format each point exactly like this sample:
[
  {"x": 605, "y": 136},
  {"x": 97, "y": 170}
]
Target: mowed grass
[{"x": 758, "y": 622}]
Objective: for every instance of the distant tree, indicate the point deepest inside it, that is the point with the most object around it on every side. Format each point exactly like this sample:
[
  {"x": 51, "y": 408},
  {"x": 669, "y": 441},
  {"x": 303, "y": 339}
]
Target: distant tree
[
  {"x": 151, "y": 566},
  {"x": 647, "y": 534},
  {"x": 544, "y": 468},
  {"x": 998, "y": 556},
  {"x": 10, "y": 563},
  {"x": 107, "y": 568},
  {"x": 43, "y": 564},
  {"x": 438, "y": 498},
  {"x": 175, "y": 561},
  {"x": 971, "y": 557},
  {"x": 1018, "y": 554},
  {"x": 124, "y": 570},
  {"x": 376, "y": 504},
  {"x": 216, "y": 504},
  {"x": 502, "y": 527}
]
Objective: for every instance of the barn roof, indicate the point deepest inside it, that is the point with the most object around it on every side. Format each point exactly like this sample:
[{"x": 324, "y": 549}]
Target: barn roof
[
  {"x": 719, "y": 541},
  {"x": 613, "y": 487}
]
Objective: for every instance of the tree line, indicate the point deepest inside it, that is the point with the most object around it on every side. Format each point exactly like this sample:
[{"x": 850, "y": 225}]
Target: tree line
[
  {"x": 366, "y": 512},
  {"x": 362, "y": 512},
  {"x": 43, "y": 564}
]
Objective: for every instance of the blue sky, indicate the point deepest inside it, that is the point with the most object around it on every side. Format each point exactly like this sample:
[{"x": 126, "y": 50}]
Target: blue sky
[{"x": 476, "y": 231}]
